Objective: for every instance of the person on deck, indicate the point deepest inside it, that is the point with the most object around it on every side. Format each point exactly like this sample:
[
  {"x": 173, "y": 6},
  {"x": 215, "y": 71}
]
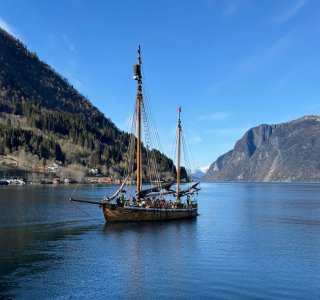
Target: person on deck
[{"x": 188, "y": 200}]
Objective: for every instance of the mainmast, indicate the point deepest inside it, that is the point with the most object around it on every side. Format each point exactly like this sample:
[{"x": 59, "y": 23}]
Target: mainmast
[
  {"x": 137, "y": 76},
  {"x": 178, "y": 155}
]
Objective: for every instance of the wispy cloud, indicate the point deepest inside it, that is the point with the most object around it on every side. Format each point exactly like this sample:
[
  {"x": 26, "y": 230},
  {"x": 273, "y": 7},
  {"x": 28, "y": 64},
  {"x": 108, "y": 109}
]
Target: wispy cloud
[
  {"x": 68, "y": 43},
  {"x": 291, "y": 11},
  {"x": 7, "y": 27},
  {"x": 215, "y": 117},
  {"x": 280, "y": 45},
  {"x": 256, "y": 60},
  {"x": 77, "y": 83},
  {"x": 228, "y": 131},
  {"x": 195, "y": 139},
  {"x": 71, "y": 64},
  {"x": 74, "y": 80},
  {"x": 127, "y": 124},
  {"x": 173, "y": 131}
]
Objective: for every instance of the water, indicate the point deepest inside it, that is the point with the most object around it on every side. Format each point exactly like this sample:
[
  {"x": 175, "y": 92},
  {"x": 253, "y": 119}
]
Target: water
[{"x": 250, "y": 241}]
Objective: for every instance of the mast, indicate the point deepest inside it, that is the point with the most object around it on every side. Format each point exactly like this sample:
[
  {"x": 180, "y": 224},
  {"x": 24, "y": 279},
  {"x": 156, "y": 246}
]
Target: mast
[
  {"x": 137, "y": 76},
  {"x": 178, "y": 154}
]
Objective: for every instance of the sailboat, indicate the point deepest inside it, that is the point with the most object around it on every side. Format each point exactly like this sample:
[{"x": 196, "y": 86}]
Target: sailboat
[{"x": 160, "y": 200}]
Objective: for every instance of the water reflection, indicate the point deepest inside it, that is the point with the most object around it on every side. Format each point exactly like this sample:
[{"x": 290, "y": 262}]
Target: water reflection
[
  {"x": 118, "y": 227},
  {"x": 148, "y": 253},
  {"x": 250, "y": 241},
  {"x": 33, "y": 249}
]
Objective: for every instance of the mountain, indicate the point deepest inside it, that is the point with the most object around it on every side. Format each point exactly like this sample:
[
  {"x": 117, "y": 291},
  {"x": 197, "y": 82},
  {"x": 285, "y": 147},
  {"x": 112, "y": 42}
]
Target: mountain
[
  {"x": 288, "y": 152},
  {"x": 45, "y": 121},
  {"x": 198, "y": 172}
]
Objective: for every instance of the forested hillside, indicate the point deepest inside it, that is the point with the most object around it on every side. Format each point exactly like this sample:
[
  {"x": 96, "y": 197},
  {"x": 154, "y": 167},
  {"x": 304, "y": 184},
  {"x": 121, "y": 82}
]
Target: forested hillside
[{"x": 44, "y": 119}]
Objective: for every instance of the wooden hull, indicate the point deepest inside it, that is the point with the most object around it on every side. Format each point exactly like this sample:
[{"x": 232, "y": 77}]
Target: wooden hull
[{"x": 114, "y": 213}]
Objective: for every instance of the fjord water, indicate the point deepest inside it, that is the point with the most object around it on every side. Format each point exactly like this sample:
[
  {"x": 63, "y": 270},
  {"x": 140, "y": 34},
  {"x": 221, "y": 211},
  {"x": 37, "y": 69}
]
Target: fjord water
[{"x": 250, "y": 241}]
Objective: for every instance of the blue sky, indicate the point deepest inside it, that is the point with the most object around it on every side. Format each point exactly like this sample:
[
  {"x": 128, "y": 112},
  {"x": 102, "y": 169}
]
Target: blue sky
[{"x": 231, "y": 65}]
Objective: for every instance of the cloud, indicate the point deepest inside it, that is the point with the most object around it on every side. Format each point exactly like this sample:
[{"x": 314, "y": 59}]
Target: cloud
[
  {"x": 256, "y": 60},
  {"x": 291, "y": 11},
  {"x": 214, "y": 117},
  {"x": 76, "y": 82},
  {"x": 173, "y": 131},
  {"x": 274, "y": 49},
  {"x": 228, "y": 131},
  {"x": 4, "y": 25},
  {"x": 127, "y": 124},
  {"x": 280, "y": 45},
  {"x": 195, "y": 139},
  {"x": 68, "y": 43}
]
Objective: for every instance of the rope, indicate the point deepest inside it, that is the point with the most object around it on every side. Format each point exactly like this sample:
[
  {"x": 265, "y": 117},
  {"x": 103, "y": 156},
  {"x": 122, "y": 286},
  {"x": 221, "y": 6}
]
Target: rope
[
  {"x": 188, "y": 148},
  {"x": 125, "y": 82},
  {"x": 173, "y": 153},
  {"x": 81, "y": 210}
]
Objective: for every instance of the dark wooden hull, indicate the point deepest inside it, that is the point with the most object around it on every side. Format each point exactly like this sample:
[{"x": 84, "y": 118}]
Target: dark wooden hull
[{"x": 114, "y": 213}]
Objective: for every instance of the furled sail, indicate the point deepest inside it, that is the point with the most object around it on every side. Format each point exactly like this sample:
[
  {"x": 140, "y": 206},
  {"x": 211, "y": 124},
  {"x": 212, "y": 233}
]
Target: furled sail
[
  {"x": 108, "y": 199},
  {"x": 156, "y": 189},
  {"x": 190, "y": 190}
]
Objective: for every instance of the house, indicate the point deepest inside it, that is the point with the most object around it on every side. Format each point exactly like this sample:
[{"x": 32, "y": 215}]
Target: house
[
  {"x": 52, "y": 168},
  {"x": 94, "y": 171}
]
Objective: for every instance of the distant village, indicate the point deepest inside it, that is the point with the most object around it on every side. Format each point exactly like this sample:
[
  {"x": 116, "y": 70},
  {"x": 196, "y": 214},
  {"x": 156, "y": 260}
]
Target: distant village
[{"x": 52, "y": 173}]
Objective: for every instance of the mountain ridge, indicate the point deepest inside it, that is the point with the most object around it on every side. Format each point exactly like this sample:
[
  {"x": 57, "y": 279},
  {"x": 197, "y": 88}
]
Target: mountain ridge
[
  {"x": 198, "y": 172},
  {"x": 286, "y": 152},
  {"x": 43, "y": 120}
]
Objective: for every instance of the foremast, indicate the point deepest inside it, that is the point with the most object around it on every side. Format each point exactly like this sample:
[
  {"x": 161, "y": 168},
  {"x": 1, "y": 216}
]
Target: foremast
[
  {"x": 137, "y": 76},
  {"x": 178, "y": 155}
]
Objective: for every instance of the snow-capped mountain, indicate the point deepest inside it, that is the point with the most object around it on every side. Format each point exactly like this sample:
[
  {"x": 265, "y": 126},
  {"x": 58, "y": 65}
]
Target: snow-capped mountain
[{"x": 198, "y": 172}]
